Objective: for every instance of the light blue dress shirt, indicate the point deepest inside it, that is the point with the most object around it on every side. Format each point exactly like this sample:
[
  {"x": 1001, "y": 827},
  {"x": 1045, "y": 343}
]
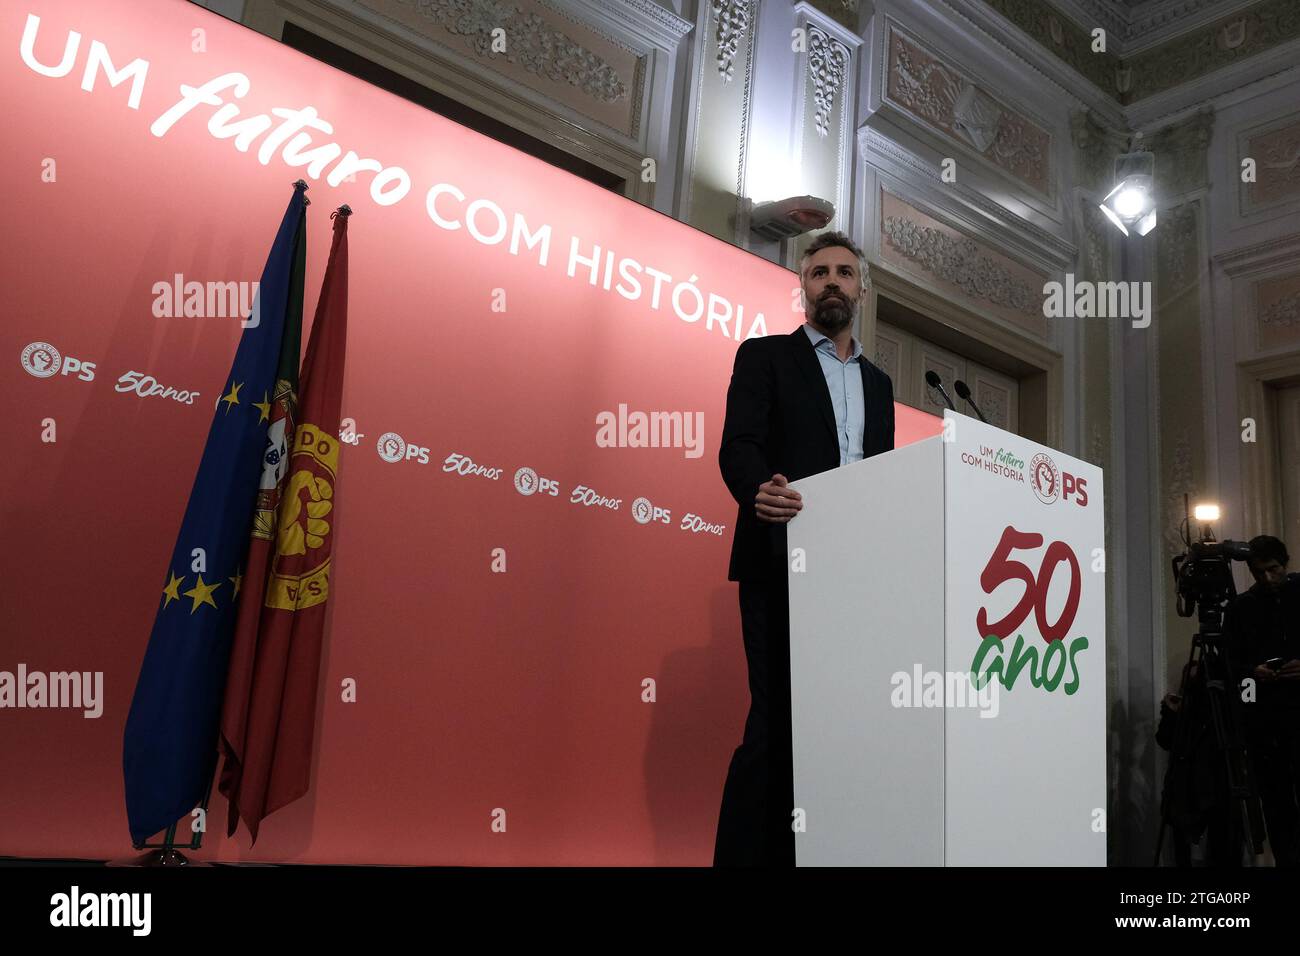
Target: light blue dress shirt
[{"x": 844, "y": 379}]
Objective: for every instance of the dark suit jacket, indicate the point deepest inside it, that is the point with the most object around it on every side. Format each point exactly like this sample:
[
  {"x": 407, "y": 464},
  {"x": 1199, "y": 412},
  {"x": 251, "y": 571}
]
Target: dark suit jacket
[{"x": 780, "y": 420}]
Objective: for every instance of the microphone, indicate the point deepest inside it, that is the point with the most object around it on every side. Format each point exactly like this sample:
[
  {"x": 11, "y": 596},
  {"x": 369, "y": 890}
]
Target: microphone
[
  {"x": 934, "y": 381},
  {"x": 963, "y": 392}
]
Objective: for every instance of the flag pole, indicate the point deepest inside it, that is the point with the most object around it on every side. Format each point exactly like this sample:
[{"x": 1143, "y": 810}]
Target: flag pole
[
  {"x": 287, "y": 245},
  {"x": 168, "y": 853}
]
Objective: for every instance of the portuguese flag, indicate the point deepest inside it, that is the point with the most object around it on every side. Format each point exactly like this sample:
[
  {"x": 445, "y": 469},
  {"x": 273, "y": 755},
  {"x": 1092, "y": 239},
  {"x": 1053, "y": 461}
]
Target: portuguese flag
[{"x": 268, "y": 719}]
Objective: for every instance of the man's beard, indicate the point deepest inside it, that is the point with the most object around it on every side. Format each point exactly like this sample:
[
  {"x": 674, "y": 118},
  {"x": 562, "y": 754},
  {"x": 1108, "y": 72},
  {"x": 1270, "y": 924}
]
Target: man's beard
[{"x": 832, "y": 315}]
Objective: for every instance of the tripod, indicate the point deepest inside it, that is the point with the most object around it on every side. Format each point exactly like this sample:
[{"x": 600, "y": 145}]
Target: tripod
[{"x": 1219, "y": 695}]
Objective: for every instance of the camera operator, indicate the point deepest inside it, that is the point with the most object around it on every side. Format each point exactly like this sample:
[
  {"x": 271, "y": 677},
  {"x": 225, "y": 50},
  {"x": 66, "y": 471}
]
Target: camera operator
[{"x": 1264, "y": 628}]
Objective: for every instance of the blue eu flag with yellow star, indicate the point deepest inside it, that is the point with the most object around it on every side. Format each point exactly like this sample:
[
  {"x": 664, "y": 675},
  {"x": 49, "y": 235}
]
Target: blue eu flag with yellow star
[{"x": 169, "y": 749}]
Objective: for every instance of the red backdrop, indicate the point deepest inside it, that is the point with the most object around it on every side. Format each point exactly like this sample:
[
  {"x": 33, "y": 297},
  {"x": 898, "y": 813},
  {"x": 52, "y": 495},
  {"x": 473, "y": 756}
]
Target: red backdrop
[{"x": 476, "y": 689}]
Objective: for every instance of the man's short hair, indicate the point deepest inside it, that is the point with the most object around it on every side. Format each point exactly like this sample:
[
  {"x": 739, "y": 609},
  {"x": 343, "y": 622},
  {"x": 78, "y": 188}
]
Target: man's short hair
[
  {"x": 827, "y": 239},
  {"x": 1265, "y": 547}
]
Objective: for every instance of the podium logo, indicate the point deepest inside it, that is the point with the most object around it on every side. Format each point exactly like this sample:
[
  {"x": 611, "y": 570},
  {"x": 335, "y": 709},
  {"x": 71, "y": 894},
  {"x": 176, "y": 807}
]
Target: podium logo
[
  {"x": 43, "y": 360},
  {"x": 1049, "y": 482},
  {"x": 943, "y": 689},
  {"x": 1047, "y": 669},
  {"x": 1044, "y": 478}
]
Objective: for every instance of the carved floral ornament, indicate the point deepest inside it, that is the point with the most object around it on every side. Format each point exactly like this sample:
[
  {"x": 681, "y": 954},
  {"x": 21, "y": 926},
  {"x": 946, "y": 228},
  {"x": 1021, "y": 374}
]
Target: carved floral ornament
[
  {"x": 828, "y": 61},
  {"x": 1284, "y": 313},
  {"x": 730, "y": 21},
  {"x": 534, "y": 44},
  {"x": 958, "y": 260}
]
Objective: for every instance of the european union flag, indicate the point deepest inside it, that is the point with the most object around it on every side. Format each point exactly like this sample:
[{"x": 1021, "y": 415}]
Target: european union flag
[{"x": 169, "y": 749}]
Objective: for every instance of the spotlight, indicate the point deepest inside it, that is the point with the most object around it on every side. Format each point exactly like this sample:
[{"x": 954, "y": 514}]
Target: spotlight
[
  {"x": 1206, "y": 512},
  {"x": 790, "y": 217},
  {"x": 1132, "y": 203}
]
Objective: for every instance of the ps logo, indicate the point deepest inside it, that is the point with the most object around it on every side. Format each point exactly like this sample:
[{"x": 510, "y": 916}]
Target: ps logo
[
  {"x": 43, "y": 360},
  {"x": 392, "y": 448},
  {"x": 644, "y": 512},
  {"x": 1049, "y": 482},
  {"x": 1074, "y": 487},
  {"x": 527, "y": 482}
]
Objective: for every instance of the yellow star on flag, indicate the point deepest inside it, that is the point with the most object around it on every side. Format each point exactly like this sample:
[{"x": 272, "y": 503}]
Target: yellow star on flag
[
  {"x": 202, "y": 594},
  {"x": 170, "y": 590},
  {"x": 237, "y": 579},
  {"x": 264, "y": 406},
  {"x": 233, "y": 397}
]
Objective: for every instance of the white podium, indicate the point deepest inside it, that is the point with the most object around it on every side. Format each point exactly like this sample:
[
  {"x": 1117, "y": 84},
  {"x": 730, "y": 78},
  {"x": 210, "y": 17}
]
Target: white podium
[{"x": 972, "y": 552}]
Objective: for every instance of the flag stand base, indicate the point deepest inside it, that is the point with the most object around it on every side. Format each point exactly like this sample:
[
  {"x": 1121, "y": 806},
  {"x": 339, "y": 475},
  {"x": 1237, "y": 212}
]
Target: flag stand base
[
  {"x": 168, "y": 853},
  {"x": 160, "y": 857}
]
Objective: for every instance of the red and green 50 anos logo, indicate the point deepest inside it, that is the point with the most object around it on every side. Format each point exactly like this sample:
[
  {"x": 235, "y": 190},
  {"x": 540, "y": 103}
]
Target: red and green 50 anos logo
[{"x": 1048, "y": 668}]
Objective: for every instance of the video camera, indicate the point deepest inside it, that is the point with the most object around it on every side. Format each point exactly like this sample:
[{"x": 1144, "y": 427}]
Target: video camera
[{"x": 1203, "y": 574}]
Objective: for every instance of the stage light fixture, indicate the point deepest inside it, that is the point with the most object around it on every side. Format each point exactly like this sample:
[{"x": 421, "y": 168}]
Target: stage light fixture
[
  {"x": 786, "y": 218},
  {"x": 1131, "y": 205}
]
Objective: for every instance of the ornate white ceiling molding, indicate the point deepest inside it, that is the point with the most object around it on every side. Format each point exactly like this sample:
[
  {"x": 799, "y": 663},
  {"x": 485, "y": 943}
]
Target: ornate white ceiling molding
[
  {"x": 1160, "y": 107},
  {"x": 1143, "y": 25},
  {"x": 1157, "y": 108},
  {"x": 1261, "y": 256},
  {"x": 658, "y": 22},
  {"x": 1021, "y": 48},
  {"x": 968, "y": 209},
  {"x": 807, "y": 13},
  {"x": 1111, "y": 17}
]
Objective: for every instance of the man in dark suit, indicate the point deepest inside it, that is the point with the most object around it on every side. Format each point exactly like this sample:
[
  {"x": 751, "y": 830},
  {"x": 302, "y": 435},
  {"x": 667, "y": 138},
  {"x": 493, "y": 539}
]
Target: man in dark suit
[{"x": 798, "y": 405}]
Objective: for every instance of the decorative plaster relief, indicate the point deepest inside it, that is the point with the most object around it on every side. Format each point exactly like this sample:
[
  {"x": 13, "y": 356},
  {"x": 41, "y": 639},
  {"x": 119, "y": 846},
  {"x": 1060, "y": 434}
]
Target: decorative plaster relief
[
  {"x": 1277, "y": 160},
  {"x": 958, "y": 264},
  {"x": 730, "y": 21},
  {"x": 952, "y": 104},
  {"x": 828, "y": 61},
  {"x": 539, "y": 54},
  {"x": 1277, "y": 312}
]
